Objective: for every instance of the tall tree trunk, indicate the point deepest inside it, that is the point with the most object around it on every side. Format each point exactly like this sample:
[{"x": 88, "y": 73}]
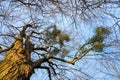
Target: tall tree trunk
[{"x": 16, "y": 66}]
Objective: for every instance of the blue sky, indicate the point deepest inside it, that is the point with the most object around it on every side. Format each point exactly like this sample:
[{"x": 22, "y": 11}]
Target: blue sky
[{"x": 79, "y": 32}]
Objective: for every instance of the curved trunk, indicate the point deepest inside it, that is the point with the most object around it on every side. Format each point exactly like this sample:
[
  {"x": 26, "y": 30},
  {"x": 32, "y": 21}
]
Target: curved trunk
[{"x": 16, "y": 66}]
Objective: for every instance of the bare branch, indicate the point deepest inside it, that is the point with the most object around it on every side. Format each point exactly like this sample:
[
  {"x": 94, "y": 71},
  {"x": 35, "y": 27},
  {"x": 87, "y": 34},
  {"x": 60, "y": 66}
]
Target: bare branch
[
  {"x": 48, "y": 69},
  {"x": 40, "y": 61},
  {"x": 40, "y": 48},
  {"x": 51, "y": 65},
  {"x": 7, "y": 49}
]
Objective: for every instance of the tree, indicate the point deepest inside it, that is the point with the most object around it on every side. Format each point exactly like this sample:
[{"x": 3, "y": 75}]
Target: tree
[
  {"x": 27, "y": 30},
  {"x": 18, "y": 63}
]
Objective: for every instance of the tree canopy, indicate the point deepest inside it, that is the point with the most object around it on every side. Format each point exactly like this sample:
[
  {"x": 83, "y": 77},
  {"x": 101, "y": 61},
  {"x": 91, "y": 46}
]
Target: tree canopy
[{"x": 64, "y": 39}]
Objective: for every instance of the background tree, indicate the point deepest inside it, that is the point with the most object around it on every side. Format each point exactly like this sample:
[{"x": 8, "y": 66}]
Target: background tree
[{"x": 32, "y": 38}]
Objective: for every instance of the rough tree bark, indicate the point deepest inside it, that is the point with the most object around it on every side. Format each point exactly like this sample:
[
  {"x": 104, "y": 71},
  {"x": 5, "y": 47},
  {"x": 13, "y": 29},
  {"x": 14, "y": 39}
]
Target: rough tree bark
[{"x": 16, "y": 64}]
